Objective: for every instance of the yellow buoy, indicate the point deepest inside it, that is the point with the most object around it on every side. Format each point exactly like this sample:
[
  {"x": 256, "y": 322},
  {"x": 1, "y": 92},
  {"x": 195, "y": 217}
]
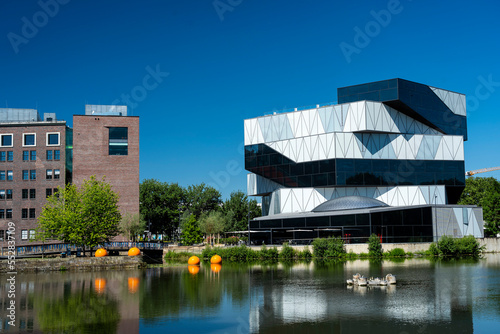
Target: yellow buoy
[
  {"x": 134, "y": 251},
  {"x": 101, "y": 252},
  {"x": 133, "y": 284},
  {"x": 194, "y": 260},
  {"x": 193, "y": 269},
  {"x": 99, "y": 285},
  {"x": 215, "y": 267}
]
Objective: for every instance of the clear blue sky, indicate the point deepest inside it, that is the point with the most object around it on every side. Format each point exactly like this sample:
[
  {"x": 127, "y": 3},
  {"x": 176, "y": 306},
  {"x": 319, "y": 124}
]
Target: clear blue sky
[{"x": 242, "y": 60}]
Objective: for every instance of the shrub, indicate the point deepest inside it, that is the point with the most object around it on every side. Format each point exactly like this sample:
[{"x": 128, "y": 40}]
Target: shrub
[
  {"x": 287, "y": 252},
  {"x": 305, "y": 254},
  {"x": 396, "y": 252},
  {"x": 448, "y": 246},
  {"x": 468, "y": 245},
  {"x": 268, "y": 254},
  {"x": 331, "y": 247},
  {"x": 374, "y": 246}
]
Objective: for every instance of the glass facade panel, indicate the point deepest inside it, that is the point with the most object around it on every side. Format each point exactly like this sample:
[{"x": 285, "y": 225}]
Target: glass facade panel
[{"x": 118, "y": 141}]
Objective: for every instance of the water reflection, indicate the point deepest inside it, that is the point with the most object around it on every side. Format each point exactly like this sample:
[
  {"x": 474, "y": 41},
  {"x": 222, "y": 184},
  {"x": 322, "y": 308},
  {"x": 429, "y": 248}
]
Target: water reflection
[{"x": 430, "y": 297}]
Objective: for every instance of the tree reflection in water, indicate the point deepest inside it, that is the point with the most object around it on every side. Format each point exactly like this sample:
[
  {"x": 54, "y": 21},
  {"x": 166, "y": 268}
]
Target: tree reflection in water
[{"x": 82, "y": 311}]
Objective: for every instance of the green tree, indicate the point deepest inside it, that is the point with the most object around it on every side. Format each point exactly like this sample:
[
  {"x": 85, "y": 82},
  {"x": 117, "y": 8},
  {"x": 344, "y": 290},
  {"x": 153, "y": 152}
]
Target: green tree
[
  {"x": 191, "y": 233},
  {"x": 202, "y": 198},
  {"x": 88, "y": 216},
  {"x": 212, "y": 223},
  {"x": 160, "y": 205},
  {"x": 132, "y": 224},
  {"x": 242, "y": 209},
  {"x": 484, "y": 192}
]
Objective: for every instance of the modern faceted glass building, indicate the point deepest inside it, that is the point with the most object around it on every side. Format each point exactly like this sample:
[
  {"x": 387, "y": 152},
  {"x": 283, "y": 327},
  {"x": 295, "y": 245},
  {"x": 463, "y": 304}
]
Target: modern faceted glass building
[{"x": 388, "y": 159}]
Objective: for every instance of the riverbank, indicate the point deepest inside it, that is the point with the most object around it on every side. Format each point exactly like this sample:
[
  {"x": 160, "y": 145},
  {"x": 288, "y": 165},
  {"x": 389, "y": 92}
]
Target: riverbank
[{"x": 74, "y": 264}]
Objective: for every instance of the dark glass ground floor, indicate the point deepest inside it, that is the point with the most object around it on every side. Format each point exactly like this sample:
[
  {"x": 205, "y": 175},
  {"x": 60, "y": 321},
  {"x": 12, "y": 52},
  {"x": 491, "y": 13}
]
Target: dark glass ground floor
[{"x": 392, "y": 225}]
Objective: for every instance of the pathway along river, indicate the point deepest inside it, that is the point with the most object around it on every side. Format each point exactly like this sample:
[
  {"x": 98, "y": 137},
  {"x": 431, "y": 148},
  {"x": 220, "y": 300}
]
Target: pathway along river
[{"x": 459, "y": 296}]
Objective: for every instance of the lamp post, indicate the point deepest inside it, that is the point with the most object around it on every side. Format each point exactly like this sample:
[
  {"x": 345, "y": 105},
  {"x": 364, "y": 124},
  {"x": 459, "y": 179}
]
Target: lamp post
[{"x": 435, "y": 217}]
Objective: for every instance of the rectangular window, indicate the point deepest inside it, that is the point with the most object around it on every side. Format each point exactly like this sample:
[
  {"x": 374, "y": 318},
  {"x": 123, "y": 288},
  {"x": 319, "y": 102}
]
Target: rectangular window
[
  {"x": 9, "y": 194},
  {"x": 6, "y": 140},
  {"x": 49, "y": 155},
  {"x": 33, "y": 174},
  {"x": 32, "y": 234},
  {"x": 24, "y": 213},
  {"x": 2, "y": 213},
  {"x": 48, "y": 192},
  {"x": 24, "y": 234},
  {"x": 32, "y": 213},
  {"x": 1, "y": 235},
  {"x": 2, "y": 175},
  {"x": 2, "y": 193},
  {"x": 53, "y": 139},
  {"x": 48, "y": 174},
  {"x": 32, "y": 155},
  {"x": 2, "y": 156},
  {"x": 10, "y": 155},
  {"x": 8, "y": 214},
  {"x": 32, "y": 193},
  {"x": 57, "y": 174},
  {"x": 25, "y": 193},
  {"x": 25, "y": 174},
  {"x": 57, "y": 154},
  {"x": 26, "y": 155},
  {"x": 29, "y": 139},
  {"x": 10, "y": 175},
  {"x": 118, "y": 141}
]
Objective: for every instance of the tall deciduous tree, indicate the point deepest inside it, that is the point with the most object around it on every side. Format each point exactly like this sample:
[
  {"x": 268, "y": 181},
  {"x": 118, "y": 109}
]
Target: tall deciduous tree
[
  {"x": 212, "y": 223},
  {"x": 484, "y": 192},
  {"x": 240, "y": 208},
  {"x": 202, "y": 198},
  {"x": 88, "y": 216},
  {"x": 159, "y": 205}
]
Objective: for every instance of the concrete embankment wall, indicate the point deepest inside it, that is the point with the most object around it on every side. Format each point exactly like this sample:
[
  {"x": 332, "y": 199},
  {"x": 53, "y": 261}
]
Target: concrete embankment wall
[
  {"x": 74, "y": 264},
  {"x": 492, "y": 246}
]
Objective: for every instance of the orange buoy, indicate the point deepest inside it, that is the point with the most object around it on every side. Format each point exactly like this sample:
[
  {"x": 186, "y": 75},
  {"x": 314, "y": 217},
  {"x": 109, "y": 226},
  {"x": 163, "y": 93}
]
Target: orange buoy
[
  {"x": 194, "y": 260},
  {"x": 134, "y": 251},
  {"x": 133, "y": 284},
  {"x": 101, "y": 252},
  {"x": 215, "y": 267},
  {"x": 193, "y": 269},
  {"x": 216, "y": 259},
  {"x": 99, "y": 285}
]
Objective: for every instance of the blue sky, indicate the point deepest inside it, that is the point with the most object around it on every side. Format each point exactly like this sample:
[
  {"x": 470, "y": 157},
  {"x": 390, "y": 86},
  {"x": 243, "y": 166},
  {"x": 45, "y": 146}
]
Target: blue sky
[{"x": 220, "y": 62}]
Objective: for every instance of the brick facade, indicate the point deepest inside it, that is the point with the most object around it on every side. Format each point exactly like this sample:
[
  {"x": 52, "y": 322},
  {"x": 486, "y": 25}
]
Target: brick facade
[
  {"x": 91, "y": 156},
  {"x": 40, "y": 164}
]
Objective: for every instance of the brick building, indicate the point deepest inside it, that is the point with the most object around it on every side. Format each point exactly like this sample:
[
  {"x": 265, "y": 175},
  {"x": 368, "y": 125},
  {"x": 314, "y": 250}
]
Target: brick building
[
  {"x": 32, "y": 166},
  {"x": 37, "y": 155},
  {"x": 106, "y": 143}
]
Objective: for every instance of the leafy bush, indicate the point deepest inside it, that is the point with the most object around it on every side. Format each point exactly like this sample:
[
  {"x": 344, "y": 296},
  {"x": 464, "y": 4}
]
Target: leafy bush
[
  {"x": 448, "y": 246},
  {"x": 305, "y": 254},
  {"x": 331, "y": 247},
  {"x": 287, "y": 252},
  {"x": 374, "y": 246},
  {"x": 396, "y": 252},
  {"x": 268, "y": 254}
]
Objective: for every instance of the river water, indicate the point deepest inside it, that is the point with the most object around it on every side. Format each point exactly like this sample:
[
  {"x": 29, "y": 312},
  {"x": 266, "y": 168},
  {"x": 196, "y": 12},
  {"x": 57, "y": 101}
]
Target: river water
[{"x": 461, "y": 296}]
